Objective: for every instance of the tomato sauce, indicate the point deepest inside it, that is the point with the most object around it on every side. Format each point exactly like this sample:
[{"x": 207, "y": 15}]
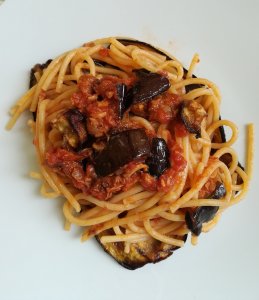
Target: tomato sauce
[
  {"x": 164, "y": 108},
  {"x": 173, "y": 174},
  {"x": 104, "y": 52},
  {"x": 97, "y": 100},
  {"x": 180, "y": 130}
]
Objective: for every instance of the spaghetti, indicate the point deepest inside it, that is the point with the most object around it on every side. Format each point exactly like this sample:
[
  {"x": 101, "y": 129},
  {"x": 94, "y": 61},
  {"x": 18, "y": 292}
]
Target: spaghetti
[{"x": 135, "y": 145}]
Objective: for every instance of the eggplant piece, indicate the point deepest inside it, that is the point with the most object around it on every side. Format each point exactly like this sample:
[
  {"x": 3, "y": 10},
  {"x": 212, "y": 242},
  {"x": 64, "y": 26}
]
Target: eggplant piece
[
  {"x": 148, "y": 86},
  {"x": 121, "y": 149},
  {"x": 141, "y": 253},
  {"x": 101, "y": 63},
  {"x": 220, "y": 137},
  {"x": 190, "y": 87},
  {"x": 127, "y": 41},
  {"x": 204, "y": 214},
  {"x": 192, "y": 113},
  {"x": 158, "y": 161},
  {"x": 72, "y": 125},
  {"x": 69, "y": 136},
  {"x": 144, "y": 45},
  {"x": 37, "y": 68},
  {"x": 88, "y": 143},
  {"x": 124, "y": 98},
  {"x": 78, "y": 123},
  {"x": 219, "y": 191}
]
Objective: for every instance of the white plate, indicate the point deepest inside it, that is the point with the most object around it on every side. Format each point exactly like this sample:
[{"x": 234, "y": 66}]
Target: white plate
[{"x": 38, "y": 260}]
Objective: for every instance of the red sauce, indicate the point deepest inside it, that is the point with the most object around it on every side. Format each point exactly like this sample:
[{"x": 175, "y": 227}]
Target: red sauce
[
  {"x": 101, "y": 117},
  {"x": 69, "y": 164},
  {"x": 97, "y": 100},
  {"x": 103, "y": 188},
  {"x": 148, "y": 182},
  {"x": 104, "y": 52},
  {"x": 79, "y": 101},
  {"x": 106, "y": 87},
  {"x": 163, "y": 108},
  {"x": 55, "y": 157},
  {"x": 180, "y": 130},
  {"x": 208, "y": 188},
  {"x": 86, "y": 85},
  {"x": 176, "y": 156},
  {"x": 171, "y": 176},
  {"x": 178, "y": 164}
]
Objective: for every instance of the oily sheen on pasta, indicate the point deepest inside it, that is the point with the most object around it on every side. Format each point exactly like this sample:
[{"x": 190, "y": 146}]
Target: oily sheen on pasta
[{"x": 135, "y": 145}]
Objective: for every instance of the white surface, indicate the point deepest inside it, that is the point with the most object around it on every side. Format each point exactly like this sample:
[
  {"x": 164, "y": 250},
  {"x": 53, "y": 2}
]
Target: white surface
[{"x": 38, "y": 260}]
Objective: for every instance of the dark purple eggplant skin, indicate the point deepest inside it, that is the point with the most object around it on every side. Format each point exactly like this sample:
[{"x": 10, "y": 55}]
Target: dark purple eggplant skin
[
  {"x": 126, "y": 42},
  {"x": 158, "y": 161},
  {"x": 121, "y": 149},
  {"x": 33, "y": 80},
  {"x": 100, "y": 63},
  {"x": 203, "y": 214},
  {"x": 37, "y": 67},
  {"x": 140, "y": 253},
  {"x": 148, "y": 86},
  {"x": 191, "y": 87},
  {"x": 124, "y": 97},
  {"x": 219, "y": 192},
  {"x": 222, "y": 133}
]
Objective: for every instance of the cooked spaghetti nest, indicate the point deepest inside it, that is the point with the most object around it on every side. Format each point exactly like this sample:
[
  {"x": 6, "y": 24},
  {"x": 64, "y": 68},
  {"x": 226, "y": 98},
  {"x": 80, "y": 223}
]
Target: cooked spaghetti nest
[{"x": 136, "y": 214}]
